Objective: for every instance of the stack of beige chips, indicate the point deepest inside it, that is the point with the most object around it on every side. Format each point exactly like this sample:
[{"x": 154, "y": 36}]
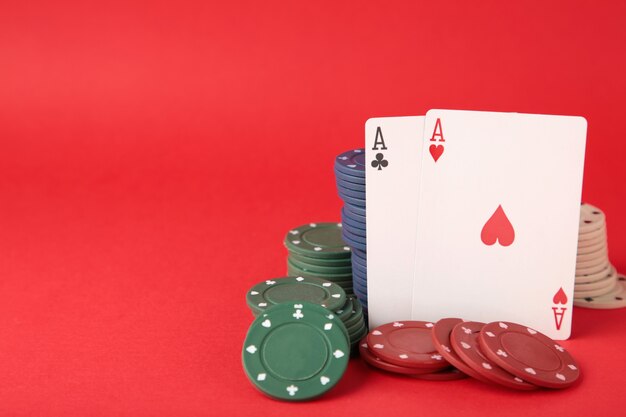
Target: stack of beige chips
[{"x": 598, "y": 284}]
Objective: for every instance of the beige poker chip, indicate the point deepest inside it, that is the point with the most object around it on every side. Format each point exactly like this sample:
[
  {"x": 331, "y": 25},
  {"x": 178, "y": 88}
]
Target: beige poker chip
[
  {"x": 616, "y": 298},
  {"x": 598, "y": 267},
  {"x": 607, "y": 286},
  {"x": 591, "y": 219},
  {"x": 594, "y": 277},
  {"x": 587, "y": 258},
  {"x": 589, "y": 237}
]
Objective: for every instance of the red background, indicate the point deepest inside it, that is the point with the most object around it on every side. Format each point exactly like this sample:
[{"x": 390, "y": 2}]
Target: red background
[{"x": 153, "y": 156}]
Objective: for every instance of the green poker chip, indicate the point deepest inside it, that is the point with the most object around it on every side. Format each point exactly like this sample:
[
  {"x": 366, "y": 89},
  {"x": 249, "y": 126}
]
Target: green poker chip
[
  {"x": 295, "y": 351},
  {"x": 339, "y": 270},
  {"x": 318, "y": 240},
  {"x": 338, "y": 262},
  {"x": 357, "y": 313},
  {"x": 295, "y": 271},
  {"x": 345, "y": 311},
  {"x": 296, "y": 289}
]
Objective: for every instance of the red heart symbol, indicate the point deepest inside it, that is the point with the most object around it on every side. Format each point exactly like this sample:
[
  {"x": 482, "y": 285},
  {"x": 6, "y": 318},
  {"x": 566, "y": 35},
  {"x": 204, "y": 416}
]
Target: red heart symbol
[
  {"x": 560, "y": 297},
  {"x": 435, "y": 151},
  {"x": 498, "y": 229}
]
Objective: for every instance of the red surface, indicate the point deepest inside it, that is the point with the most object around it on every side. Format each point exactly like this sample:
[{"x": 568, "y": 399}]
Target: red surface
[{"x": 153, "y": 155}]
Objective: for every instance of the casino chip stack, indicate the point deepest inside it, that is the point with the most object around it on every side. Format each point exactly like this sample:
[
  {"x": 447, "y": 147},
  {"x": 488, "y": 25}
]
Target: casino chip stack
[
  {"x": 312, "y": 290},
  {"x": 295, "y": 351},
  {"x": 350, "y": 177},
  {"x": 500, "y": 353},
  {"x": 318, "y": 250},
  {"x": 598, "y": 284}
]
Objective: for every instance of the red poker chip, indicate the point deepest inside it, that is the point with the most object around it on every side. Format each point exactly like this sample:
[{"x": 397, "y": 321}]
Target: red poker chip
[
  {"x": 464, "y": 341},
  {"x": 449, "y": 374},
  {"x": 441, "y": 339},
  {"x": 371, "y": 359},
  {"x": 528, "y": 354},
  {"x": 406, "y": 343}
]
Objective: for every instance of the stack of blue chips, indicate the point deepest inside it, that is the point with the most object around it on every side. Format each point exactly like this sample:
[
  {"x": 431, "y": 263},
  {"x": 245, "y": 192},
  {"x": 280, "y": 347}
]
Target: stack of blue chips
[{"x": 350, "y": 177}]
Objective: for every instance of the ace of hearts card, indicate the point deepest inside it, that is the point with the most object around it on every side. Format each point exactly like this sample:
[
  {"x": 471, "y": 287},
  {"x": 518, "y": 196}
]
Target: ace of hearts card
[{"x": 497, "y": 219}]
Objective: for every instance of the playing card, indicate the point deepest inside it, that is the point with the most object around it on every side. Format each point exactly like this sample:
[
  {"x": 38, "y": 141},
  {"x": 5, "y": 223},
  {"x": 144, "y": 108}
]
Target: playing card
[
  {"x": 393, "y": 151},
  {"x": 497, "y": 228}
]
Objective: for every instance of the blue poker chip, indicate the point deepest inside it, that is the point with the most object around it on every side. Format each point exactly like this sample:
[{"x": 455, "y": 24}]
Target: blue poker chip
[
  {"x": 357, "y": 220},
  {"x": 353, "y": 224},
  {"x": 359, "y": 274},
  {"x": 355, "y": 231},
  {"x": 358, "y": 264},
  {"x": 358, "y": 211},
  {"x": 352, "y": 200},
  {"x": 360, "y": 285},
  {"x": 359, "y": 268},
  {"x": 353, "y": 243},
  {"x": 360, "y": 254},
  {"x": 349, "y": 185},
  {"x": 359, "y": 288},
  {"x": 351, "y": 193},
  {"x": 351, "y": 162},
  {"x": 351, "y": 179},
  {"x": 362, "y": 296},
  {"x": 351, "y": 236}
]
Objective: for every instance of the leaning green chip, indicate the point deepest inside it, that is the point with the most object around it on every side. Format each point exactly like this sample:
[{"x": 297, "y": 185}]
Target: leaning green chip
[
  {"x": 317, "y": 240},
  {"x": 295, "y": 351},
  {"x": 293, "y": 289}
]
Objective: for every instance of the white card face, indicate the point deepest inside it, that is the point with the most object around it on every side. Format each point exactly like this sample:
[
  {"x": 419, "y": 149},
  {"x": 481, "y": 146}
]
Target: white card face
[
  {"x": 391, "y": 194},
  {"x": 498, "y": 215}
]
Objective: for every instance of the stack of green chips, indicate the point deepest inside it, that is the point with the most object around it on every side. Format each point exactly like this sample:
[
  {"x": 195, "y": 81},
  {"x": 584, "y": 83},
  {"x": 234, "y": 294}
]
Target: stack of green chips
[{"x": 318, "y": 250}]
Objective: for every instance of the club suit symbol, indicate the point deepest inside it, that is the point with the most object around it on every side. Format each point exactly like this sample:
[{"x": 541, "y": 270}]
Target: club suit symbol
[{"x": 380, "y": 162}]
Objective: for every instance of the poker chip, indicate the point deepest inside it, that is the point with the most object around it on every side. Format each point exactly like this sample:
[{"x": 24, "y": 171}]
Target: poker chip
[
  {"x": 352, "y": 200},
  {"x": 351, "y": 162},
  {"x": 292, "y": 289},
  {"x": 349, "y": 185},
  {"x": 338, "y": 262},
  {"x": 352, "y": 221},
  {"x": 350, "y": 231},
  {"x": 604, "y": 264},
  {"x": 585, "y": 259},
  {"x": 349, "y": 178},
  {"x": 591, "y": 218},
  {"x": 597, "y": 288},
  {"x": 406, "y": 343},
  {"x": 360, "y": 254},
  {"x": 317, "y": 240},
  {"x": 595, "y": 276},
  {"x": 441, "y": 339},
  {"x": 360, "y": 195},
  {"x": 372, "y": 360},
  {"x": 358, "y": 243},
  {"x": 354, "y": 210},
  {"x": 464, "y": 341},
  {"x": 616, "y": 298},
  {"x": 295, "y": 351},
  {"x": 528, "y": 354},
  {"x": 348, "y": 236},
  {"x": 338, "y": 270},
  {"x": 448, "y": 374}
]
